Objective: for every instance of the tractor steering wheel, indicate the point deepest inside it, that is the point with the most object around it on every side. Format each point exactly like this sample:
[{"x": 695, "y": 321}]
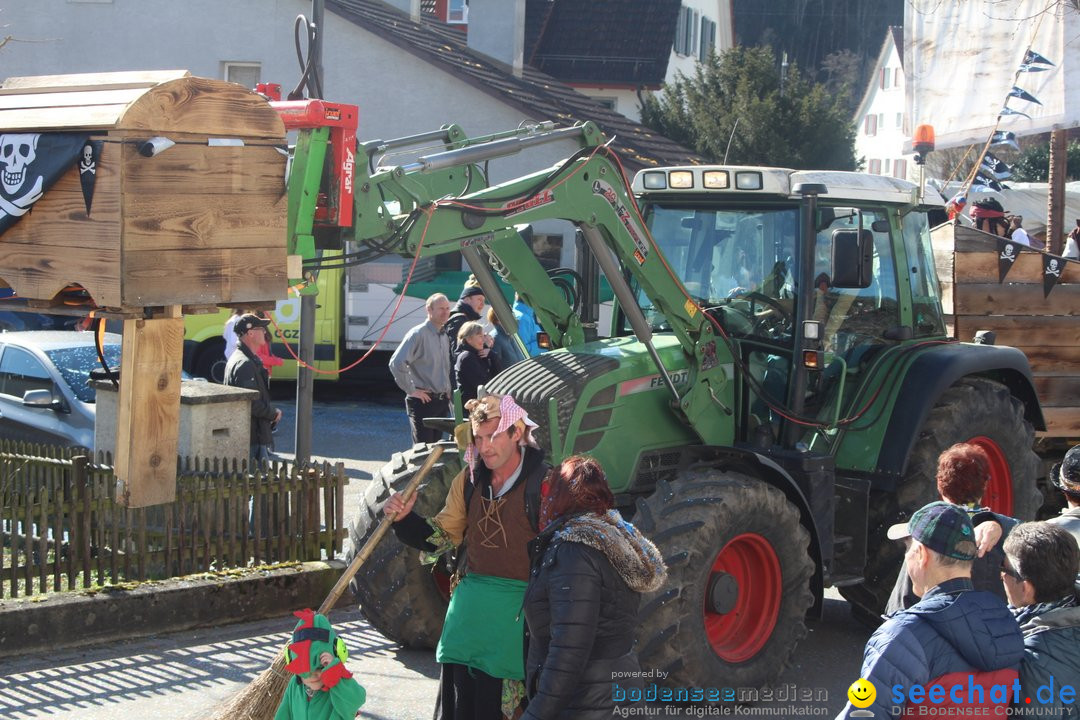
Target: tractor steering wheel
[{"x": 771, "y": 324}]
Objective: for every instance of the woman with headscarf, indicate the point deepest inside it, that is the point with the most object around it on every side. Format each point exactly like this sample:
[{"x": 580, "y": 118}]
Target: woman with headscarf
[{"x": 589, "y": 569}]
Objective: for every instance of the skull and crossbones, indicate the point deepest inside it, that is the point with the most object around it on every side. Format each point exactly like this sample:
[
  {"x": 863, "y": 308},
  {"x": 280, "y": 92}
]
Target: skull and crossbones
[
  {"x": 1009, "y": 252},
  {"x": 87, "y": 164},
  {"x": 1053, "y": 269},
  {"x": 17, "y": 152}
]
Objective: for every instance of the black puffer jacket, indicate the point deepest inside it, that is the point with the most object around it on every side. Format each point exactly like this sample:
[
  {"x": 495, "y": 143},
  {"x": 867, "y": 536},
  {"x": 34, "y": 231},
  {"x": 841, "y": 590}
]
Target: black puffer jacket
[{"x": 581, "y": 608}]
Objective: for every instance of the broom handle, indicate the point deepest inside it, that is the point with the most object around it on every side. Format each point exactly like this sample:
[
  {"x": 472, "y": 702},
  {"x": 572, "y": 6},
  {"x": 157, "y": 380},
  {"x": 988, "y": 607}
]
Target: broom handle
[{"x": 375, "y": 537}]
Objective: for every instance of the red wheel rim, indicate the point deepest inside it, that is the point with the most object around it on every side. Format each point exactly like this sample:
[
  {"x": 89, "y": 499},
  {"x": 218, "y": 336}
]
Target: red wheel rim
[
  {"x": 999, "y": 488},
  {"x": 738, "y": 635}
]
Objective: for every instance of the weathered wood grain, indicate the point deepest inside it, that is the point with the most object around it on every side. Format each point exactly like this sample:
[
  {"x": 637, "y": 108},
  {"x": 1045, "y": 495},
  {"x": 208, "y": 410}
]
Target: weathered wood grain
[
  {"x": 222, "y": 276},
  {"x": 148, "y": 411}
]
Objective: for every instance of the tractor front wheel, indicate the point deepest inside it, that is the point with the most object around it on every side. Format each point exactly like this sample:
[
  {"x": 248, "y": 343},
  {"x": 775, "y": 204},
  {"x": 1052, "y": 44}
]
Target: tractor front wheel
[
  {"x": 738, "y": 586},
  {"x": 402, "y": 599}
]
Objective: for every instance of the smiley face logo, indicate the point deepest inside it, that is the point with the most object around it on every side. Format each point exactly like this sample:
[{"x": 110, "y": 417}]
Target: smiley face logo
[{"x": 862, "y": 693}]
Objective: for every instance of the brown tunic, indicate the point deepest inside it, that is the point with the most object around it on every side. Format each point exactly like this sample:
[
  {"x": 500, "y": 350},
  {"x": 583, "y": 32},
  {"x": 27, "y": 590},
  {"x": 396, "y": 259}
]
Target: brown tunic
[{"x": 499, "y": 534}]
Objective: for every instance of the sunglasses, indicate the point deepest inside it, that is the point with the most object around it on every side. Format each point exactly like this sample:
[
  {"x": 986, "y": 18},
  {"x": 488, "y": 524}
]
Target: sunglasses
[{"x": 1007, "y": 569}]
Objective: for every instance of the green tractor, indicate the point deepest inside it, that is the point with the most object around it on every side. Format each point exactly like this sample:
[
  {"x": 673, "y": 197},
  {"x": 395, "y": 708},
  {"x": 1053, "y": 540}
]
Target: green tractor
[{"x": 774, "y": 391}]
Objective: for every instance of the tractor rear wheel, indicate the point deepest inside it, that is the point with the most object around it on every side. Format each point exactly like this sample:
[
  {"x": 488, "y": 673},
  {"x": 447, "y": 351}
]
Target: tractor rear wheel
[
  {"x": 976, "y": 410},
  {"x": 402, "y": 599},
  {"x": 738, "y": 586}
]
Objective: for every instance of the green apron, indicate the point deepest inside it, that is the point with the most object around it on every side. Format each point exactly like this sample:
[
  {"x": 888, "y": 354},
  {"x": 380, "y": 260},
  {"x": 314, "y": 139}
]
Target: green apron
[{"x": 485, "y": 627}]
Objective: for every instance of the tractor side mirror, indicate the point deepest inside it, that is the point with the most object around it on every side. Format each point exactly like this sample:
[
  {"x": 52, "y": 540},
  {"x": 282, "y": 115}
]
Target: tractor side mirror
[{"x": 852, "y": 258}]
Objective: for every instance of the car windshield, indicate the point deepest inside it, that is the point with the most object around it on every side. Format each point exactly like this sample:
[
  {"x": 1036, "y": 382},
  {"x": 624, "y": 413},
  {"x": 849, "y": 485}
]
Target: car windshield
[{"x": 75, "y": 364}]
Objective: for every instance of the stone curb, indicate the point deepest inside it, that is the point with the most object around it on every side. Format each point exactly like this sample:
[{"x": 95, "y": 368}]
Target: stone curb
[{"x": 68, "y": 620}]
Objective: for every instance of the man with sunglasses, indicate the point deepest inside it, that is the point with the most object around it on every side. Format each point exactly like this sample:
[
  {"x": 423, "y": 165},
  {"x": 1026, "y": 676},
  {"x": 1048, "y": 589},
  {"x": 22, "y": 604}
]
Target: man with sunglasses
[{"x": 1040, "y": 568}]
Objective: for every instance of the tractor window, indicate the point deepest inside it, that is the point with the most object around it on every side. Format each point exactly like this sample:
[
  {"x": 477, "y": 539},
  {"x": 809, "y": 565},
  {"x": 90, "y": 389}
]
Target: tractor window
[
  {"x": 856, "y": 317},
  {"x": 925, "y": 291},
  {"x": 737, "y": 264}
]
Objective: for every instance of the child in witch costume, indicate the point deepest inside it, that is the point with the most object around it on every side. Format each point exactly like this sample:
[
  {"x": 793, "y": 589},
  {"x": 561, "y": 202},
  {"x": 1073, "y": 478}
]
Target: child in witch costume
[{"x": 323, "y": 688}]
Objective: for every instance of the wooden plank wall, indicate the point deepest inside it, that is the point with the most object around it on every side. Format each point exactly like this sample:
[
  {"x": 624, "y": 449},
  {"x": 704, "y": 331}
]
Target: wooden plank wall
[{"x": 1047, "y": 329}]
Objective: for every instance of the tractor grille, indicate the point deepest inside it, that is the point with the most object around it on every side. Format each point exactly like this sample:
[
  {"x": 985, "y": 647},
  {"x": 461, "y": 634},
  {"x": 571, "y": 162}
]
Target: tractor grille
[{"x": 559, "y": 375}]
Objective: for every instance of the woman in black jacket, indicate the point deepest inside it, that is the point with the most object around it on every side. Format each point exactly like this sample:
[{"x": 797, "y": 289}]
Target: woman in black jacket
[
  {"x": 589, "y": 569},
  {"x": 475, "y": 363}
]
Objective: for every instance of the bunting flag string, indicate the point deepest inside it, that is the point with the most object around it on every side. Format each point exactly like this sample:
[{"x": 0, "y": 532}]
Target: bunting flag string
[
  {"x": 1004, "y": 137},
  {"x": 1008, "y": 251},
  {"x": 1052, "y": 269},
  {"x": 1018, "y": 92}
]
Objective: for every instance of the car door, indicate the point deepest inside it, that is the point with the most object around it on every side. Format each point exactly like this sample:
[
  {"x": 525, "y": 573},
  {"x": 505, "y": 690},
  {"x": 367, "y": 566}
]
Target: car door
[{"x": 21, "y": 371}]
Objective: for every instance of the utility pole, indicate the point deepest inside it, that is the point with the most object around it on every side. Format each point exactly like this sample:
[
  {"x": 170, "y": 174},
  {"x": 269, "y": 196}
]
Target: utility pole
[{"x": 305, "y": 376}]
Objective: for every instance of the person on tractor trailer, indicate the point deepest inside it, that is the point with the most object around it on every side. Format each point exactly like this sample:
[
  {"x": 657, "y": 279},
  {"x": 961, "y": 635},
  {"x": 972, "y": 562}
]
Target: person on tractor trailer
[
  {"x": 954, "y": 635},
  {"x": 492, "y": 513},
  {"x": 962, "y": 473},
  {"x": 1039, "y": 574}
]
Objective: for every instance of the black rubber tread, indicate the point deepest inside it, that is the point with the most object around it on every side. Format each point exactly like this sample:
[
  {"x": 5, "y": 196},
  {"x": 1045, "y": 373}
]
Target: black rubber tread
[
  {"x": 690, "y": 521},
  {"x": 397, "y": 594},
  {"x": 973, "y": 407}
]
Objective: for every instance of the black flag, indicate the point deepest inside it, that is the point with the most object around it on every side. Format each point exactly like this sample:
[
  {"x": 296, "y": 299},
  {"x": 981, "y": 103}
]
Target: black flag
[
  {"x": 1009, "y": 111},
  {"x": 1004, "y": 137},
  {"x": 1033, "y": 58},
  {"x": 981, "y": 182},
  {"x": 32, "y": 163},
  {"x": 88, "y": 167},
  {"x": 1008, "y": 251},
  {"x": 996, "y": 168},
  {"x": 1052, "y": 269},
  {"x": 1017, "y": 92}
]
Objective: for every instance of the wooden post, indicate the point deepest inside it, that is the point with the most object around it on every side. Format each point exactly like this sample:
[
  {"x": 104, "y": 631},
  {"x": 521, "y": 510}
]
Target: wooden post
[
  {"x": 148, "y": 410},
  {"x": 1055, "y": 211}
]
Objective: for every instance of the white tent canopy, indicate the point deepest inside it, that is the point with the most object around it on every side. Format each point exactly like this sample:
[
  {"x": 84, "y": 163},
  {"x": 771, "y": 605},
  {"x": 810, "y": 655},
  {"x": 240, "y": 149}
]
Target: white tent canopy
[{"x": 961, "y": 59}]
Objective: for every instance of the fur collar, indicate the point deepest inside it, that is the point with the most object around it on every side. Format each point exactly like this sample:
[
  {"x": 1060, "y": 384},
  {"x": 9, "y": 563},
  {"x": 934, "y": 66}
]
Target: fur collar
[{"x": 632, "y": 555}]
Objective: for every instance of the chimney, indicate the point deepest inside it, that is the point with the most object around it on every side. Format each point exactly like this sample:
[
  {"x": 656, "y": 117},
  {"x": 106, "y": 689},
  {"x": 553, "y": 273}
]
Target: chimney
[
  {"x": 497, "y": 29},
  {"x": 410, "y": 7}
]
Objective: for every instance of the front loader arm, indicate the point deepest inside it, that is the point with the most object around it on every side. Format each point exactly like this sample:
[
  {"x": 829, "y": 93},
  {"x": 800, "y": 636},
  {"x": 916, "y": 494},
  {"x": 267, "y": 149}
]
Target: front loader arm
[{"x": 589, "y": 189}]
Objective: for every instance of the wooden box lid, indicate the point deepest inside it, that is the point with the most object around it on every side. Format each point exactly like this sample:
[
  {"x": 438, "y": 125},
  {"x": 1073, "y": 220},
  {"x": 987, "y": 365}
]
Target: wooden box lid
[{"x": 159, "y": 101}]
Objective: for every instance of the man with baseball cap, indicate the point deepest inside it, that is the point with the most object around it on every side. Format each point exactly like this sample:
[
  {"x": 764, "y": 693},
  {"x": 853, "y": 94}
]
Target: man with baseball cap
[
  {"x": 244, "y": 369},
  {"x": 1066, "y": 477},
  {"x": 953, "y": 628}
]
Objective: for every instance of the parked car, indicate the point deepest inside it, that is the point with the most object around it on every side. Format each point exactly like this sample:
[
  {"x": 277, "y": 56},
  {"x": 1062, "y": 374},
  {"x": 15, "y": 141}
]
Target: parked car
[{"x": 44, "y": 392}]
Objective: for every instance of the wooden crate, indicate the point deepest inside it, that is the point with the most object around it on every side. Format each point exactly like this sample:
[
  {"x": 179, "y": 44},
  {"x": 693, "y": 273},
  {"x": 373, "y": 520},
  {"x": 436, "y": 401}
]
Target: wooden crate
[
  {"x": 201, "y": 223},
  {"x": 1047, "y": 328}
]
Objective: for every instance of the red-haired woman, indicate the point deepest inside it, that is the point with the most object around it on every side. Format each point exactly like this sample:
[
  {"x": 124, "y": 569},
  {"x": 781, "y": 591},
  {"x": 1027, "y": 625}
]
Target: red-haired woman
[
  {"x": 962, "y": 472},
  {"x": 589, "y": 568}
]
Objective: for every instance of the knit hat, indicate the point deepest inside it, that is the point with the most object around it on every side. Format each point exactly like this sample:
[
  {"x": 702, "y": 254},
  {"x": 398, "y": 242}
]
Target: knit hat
[
  {"x": 470, "y": 290},
  {"x": 943, "y": 527}
]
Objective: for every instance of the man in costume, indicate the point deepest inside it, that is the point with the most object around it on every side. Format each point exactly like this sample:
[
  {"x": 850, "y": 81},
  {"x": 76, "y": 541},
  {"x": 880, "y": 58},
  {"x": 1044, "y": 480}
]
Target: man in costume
[{"x": 492, "y": 513}]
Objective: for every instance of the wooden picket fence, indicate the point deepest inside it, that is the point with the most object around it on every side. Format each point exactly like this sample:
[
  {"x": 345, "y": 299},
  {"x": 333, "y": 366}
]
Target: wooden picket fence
[{"x": 61, "y": 528}]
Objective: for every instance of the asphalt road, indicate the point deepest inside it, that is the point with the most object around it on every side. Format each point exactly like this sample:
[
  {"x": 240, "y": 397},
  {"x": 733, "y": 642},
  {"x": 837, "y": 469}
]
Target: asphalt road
[{"x": 187, "y": 675}]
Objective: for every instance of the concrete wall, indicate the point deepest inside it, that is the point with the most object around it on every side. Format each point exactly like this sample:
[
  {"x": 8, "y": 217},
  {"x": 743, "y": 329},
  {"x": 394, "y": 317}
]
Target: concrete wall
[{"x": 397, "y": 92}]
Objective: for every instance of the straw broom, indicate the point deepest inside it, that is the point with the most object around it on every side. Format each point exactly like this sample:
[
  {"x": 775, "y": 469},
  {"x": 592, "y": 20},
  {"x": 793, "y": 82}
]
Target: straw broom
[{"x": 260, "y": 699}]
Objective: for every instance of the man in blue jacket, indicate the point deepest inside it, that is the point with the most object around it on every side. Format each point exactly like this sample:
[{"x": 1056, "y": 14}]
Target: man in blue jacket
[{"x": 952, "y": 629}]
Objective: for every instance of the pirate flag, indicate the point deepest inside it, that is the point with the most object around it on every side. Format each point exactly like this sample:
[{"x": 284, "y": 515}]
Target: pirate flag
[
  {"x": 1033, "y": 58},
  {"x": 1004, "y": 137},
  {"x": 1010, "y": 111},
  {"x": 1052, "y": 269},
  {"x": 981, "y": 183},
  {"x": 995, "y": 168},
  {"x": 1008, "y": 251},
  {"x": 1018, "y": 92},
  {"x": 88, "y": 166},
  {"x": 31, "y": 164}
]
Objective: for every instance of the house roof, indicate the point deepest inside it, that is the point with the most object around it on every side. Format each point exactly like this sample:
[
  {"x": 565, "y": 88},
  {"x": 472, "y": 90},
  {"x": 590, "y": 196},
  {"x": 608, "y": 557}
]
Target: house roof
[
  {"x": 894, "y": 38},
  {"x": 561, "y": 39},
  {"x": 540, "y": 96}
]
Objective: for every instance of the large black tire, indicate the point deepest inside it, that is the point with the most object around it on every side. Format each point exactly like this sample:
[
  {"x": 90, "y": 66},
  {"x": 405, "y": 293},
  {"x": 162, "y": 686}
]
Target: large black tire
[
  {"x": 402, "y": 599},
  {"x": 724, "y": 531},
  {"x": 975, "y": 410}
]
